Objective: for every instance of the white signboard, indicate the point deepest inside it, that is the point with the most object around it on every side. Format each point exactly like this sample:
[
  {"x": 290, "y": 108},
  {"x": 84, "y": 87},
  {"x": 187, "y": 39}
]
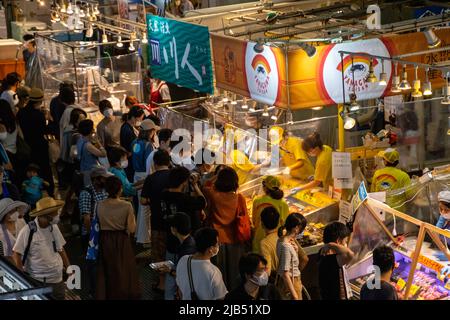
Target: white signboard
[
  {"x": 343, "y": 183},
  {"x": 342, "y": 165},
  {"x": 345, "y": 211},
  {"x": 380, "y": 196}
]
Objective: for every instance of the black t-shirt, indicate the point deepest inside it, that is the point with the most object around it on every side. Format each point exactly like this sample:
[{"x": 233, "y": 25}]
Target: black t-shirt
[
  {"x": 186, "y": 248},
  {"x": 386, "y": 292},
  {"x": 153, "y": 187},
  {"x": 330, "y": 278},
  {"x": 269, "y": 292},
  {"x": 172, "y": 202}
]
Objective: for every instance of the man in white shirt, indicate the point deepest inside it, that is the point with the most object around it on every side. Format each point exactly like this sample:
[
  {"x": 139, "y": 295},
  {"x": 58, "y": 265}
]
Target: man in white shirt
[
  {"x": 10, "y": 85},
  {"x": 44, "y": 259},
  {"x": 206, "y": 278}
]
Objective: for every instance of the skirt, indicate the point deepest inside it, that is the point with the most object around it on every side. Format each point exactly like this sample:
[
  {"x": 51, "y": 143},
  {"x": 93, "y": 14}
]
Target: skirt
[
  {"x": 284, "y": 290},
  {"x": 143, "y": 217},
  {"x": 117, "y": 276}
]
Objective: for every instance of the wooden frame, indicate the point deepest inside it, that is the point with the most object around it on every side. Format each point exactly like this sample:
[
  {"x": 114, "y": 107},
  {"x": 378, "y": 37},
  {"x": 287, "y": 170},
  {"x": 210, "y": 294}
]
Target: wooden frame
[{"x": 424, "y": 228}]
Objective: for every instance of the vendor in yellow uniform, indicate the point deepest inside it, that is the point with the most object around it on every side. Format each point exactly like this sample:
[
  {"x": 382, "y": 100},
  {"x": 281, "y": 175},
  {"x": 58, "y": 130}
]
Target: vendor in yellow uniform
[
  {"x": 314, "y": 147},
  {"x": 389, "y": 178},
  {"x": 292, "y": 155}
]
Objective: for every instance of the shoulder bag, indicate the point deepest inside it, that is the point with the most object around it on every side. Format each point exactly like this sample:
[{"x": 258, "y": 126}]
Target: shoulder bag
[{"x": 194, "y": 295}]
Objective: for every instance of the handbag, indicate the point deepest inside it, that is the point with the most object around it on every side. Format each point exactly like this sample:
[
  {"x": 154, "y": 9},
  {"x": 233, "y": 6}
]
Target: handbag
[
  {"x": 194, "y": 295},
  {"x": 54, "y": 149},
  {"x": 243, "y": 224}
]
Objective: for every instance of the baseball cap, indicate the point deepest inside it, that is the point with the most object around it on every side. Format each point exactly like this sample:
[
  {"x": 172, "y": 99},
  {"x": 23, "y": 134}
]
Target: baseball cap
[
  {"x": 99, "y": 171},
  {"x": 179, "y": 221},
  {"x": 271, "y": 182},
  {"x": 444, "y": 196},
  {"x": 148, "y": 124},
  {"x": 390, "y": 155}
]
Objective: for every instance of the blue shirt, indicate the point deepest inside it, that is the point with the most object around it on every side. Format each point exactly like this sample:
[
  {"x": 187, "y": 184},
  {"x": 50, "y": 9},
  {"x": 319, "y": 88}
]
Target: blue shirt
[
  {"x": 32, "y": 190},
  {"x": 128, "y": 189},
  {"x": 443, "y": 224},
  {"x": 141, "y": 150},
  {"x": 87, "y": 159}
]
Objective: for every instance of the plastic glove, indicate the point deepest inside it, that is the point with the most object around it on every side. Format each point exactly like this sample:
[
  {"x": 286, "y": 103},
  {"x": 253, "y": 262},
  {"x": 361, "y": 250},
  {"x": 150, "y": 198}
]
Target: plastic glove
[
  {"x": 441, "y": 256},
  {"x": 286, "y": 171}
]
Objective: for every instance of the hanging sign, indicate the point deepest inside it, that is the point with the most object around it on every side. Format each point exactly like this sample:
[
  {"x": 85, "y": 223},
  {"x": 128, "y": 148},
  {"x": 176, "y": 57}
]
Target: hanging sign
[
  {"x": 180, "y": 53},
  {"x": 342, "y": 165},
  {"x": 359, "y": 197}
]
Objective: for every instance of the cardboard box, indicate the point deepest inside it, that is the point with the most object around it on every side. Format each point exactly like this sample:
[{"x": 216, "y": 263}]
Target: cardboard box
[{"x": 9, "y": 48}]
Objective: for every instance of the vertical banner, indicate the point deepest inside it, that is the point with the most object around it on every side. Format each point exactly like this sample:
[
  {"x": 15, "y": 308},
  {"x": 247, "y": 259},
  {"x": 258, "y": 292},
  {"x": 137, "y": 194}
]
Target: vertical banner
[
  {"x": 123, "y": 9},
  {"x": 180, "y": 53}
]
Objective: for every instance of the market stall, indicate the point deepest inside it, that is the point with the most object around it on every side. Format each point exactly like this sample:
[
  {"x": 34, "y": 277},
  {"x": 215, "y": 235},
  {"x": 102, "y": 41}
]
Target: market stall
[{"x": 419, "y": 250}]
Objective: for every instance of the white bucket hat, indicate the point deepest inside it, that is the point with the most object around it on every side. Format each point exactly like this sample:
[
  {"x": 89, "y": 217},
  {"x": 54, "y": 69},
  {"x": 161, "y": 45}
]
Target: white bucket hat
[{"x": 7, "y": 205}]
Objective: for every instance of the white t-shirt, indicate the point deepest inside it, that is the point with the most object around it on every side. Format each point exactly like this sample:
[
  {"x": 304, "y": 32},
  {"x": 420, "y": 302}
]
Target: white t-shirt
[
  {"x": 11, "y": 97},
  {"x": 185, "y": 161},
  {"x": 42, "y": 261},
  {"x": 207, "y": 279},
  {"x": 65, "y": 119},
  {"x": 10, "y": 143},
  {"x": 149, "y": 164},
  {"x": 20, "y": 223}
]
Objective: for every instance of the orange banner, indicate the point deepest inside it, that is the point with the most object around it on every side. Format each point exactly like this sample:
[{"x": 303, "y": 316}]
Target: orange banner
[{"x": 317, "y": 80}]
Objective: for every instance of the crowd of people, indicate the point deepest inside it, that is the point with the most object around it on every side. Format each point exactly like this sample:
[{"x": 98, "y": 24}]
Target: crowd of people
[{"x": 127, "y": 185}]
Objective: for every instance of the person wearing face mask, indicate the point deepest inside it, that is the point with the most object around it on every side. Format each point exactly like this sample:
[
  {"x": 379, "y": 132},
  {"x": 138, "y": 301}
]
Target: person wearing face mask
[
  {"x": 273, "y": 197},
  {"x": 314, "y": 147},
  {"x": 128, "y": 133},
  {"x": 117, "y": 157},
  {"x": 11, "y": 222},
  {"x": 9, "y": 86},
  {"x": 89, "y": 149},
  {"x": 108, "y": 129},
  {"x": 196, "y": 274},
  {"x": 254, "y": 280},
  {"x": 292, "y": 258},
  {"x": 39, "y": 248}
]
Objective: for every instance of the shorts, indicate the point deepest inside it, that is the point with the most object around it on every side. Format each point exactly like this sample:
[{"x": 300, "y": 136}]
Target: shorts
[{"x": 158, "y": 241}]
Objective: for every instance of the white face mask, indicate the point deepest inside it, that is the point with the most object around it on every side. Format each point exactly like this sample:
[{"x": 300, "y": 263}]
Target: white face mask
[
  {"x": 446, "y": 216},
  {"x": 55, "y": 220},
  {"x": 138, "y": 123},
  {"x": 14, "y": 216},
  {"x": 300, "y": 235},
  {"x": 124, "y": 164},
  {"x": 262, "y": 280},
  {"x": 3, "y": 135},
  {"x": 108, "y": 113}
]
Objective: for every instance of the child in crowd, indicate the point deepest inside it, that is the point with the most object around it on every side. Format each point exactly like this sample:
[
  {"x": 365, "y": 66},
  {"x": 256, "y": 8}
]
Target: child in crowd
[
  {"x": 332, "y": 258},
  {"x": 33, "y": 186},
  {"x": 117, "y": 157}
]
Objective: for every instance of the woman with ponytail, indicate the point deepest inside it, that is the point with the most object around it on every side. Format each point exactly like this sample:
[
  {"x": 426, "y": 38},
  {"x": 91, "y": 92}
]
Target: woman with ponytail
[
  {"x": 314, "y": 146},
  {"x": 273, "y": 197},
  {"x": 292, "y": 258}
]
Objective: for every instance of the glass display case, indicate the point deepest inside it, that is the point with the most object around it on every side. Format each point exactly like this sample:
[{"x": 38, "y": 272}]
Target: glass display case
[{"x": 420, "y": 252}]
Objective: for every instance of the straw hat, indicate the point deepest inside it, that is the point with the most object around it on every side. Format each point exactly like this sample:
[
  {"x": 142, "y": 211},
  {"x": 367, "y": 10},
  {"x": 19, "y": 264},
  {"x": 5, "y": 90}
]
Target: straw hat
[
  {"x": 7, "y": 205},
  {"x": 45, "y": 206},
  {"x": 36, "y": 95}
]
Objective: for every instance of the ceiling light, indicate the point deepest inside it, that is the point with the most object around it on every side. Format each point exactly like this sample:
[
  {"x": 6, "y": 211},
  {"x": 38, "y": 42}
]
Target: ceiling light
[
  {"x": 253, "y": 107},
  {"x": 225, "y": 97},
  {"x": 371, "y": 78},
  {"x": 416, "y": 85},
  {"x": 395, "y": 81},
  {"x": 317, "y": 108},
  {"x": 404, "y": 85},
  {"x": 349, "y": 122},
  {"x": 244, "y": 105},
  {"x": 309, "y": 49},
  {"x": 354, "y": 105},
  {"x": 96, "y": 11},
  {"x": 131, "y": 48},
  {"x": 432, "y": 40},
  {"x": 383, "y": 76},
  {"x": 427, "y": 91},
  {"x": 104, "y": 37},
  {"x": 69, "y": 8},
  {"x": 63, "y": 8},
  {"x": 119, "y": 43},
  {"x": 144, "y": 39},
  {"x": 266, "y": 111},
  {"x": 41, "y": 3}
]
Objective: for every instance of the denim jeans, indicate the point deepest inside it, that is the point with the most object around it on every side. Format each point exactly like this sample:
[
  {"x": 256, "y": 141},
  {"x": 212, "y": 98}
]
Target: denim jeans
[{"x": 170, "y": 284}]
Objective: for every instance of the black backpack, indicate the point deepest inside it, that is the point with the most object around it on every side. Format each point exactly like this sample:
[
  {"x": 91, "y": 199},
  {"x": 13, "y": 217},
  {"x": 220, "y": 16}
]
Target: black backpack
[{"x": 33, "y": 228}]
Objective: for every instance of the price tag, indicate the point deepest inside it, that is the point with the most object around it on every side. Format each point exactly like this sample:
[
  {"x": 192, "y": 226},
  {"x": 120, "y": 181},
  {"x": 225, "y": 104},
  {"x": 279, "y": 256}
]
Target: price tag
[
  {"x": 401, "y": 284},
  {"x": 414, "y": 289}
]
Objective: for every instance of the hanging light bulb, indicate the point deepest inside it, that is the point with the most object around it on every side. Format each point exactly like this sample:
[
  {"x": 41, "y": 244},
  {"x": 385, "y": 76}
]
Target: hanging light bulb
[
  {"x": 41, "y": 3},
  {"x": 371, "y": 78},
  {"x": 54, "y": 17},
  {"x": 289, "y": 117},
  {"x": 90, "y": 31},
  {"x": 104, "y": 37},
  {"x": 317, "y": 108},
  {"x": 349, "y": 122},
  {"x": 432, "y": 40},
  {"x": 404, "y": 85},
  {"x": 81, "y": 14},
  {"x": 274, "y": 117},
  {"x": 119, "y": 43},
  {"x": 427, "y": 91},
  {"x": 446, "y": 99},
  {"x": 354, "y": 105},
  {"x": 132, "y": 39},
  {"x": 96, "y": 11},
  {"x": 253, "y": 107},
  {"x": 69, "y": 8},
  {"x": 233, "y": 100},
  {"x": 266, "y": 111},
  {"x": 383, "y": 76},
  {"x": 63, "y": 7},
  {"x": 244, "y": 105},
  {"x": 395, "y": 81},
  {"x": 416, "y": 85},
  {"x": 144, "y": 39}
]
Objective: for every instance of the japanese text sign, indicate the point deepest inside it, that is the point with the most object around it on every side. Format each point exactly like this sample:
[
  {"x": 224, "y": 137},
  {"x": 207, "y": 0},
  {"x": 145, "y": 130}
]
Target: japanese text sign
[
  {"x": 180, "y": 53},
  {"x": 359, "y": 197},
  {"x": 342, "y": 165}
]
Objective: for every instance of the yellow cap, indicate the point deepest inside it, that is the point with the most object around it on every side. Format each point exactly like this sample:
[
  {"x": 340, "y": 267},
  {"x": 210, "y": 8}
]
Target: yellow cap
[
  {"x": 276, "y": 134},
  {"x": 271, "y": 182},
  {"x": 390, "y": 155}
]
